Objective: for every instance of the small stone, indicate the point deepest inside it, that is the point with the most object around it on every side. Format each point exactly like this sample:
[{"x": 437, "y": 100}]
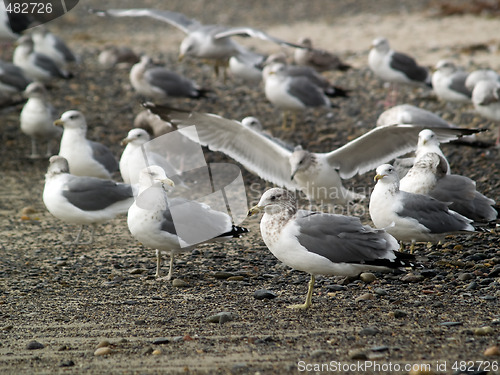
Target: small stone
[
  {"x": 34, "y": 345},
  {"x": 137, "y": 271},
  {"x": 450, "y": 324},
  {"x": 161, "y": 341},
  {"x": 223, "y": 275},
  {"x": 68, "y": 363},
  {"x": 335, "y": 288},
  {"x": 380, "y": 291},
  {"x": 221, "y": 317},
  {"x": 484, "y": 331},
  {"x": 148, "y": 351},
  {"x": 492, "y": 351},
  {"x": 157, "y": 352},
  {"x": 399, "y": 314},
  {"x": 264, "y": 294},
  {"x": 412, "y": 278},
  {"x": 236, "y": 278},
  {"x": 178, "y": 283},
  {"x": 357, "y": 354},
  {"x": 464, "y": 276},
  {"x": 320, "y": 352},
  {"x": 368, "y": 277},
  {"x": 365, "y": 297},
  {"x": 369, "y": 331},
  {"x": 103, "y": 344},
  {"x": 103, "y": 351}
]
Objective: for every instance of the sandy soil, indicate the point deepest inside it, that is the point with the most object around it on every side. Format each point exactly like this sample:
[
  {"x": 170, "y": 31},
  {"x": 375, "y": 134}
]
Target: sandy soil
[{"x": 71, "y": 299}]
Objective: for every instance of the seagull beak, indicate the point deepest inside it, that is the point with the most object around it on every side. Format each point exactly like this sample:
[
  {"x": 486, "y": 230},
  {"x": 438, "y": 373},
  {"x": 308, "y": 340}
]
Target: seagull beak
[
  {"x": 59, "y": 122},
  {"x": 167, "y": 181},
  {"x": 125, "y": 141},
  {"x": 378, "y": 177},
  {"x": 181, "y": 57},
  {"x": 254, "y": 210}
]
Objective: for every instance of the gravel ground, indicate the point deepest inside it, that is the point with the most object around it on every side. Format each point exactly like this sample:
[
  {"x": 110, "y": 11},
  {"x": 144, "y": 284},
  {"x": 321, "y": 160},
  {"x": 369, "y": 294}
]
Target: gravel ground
[{"x": 72, "y": 299}]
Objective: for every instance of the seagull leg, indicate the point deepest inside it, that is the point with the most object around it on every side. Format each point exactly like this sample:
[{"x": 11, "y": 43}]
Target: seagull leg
[
  {"x": 158, "y": 263},
  {"x": 76, "y": 241},
  {"x": 294, "y": 121},
  {"x": 412, "y": 246},
  {"x": 283, "y": 125},
  {"x": 401, "y": 247},
  {"x": 308, "y": 302},
  {"x": 169, "y": 276},
  {"x": 34, "y": 151}
]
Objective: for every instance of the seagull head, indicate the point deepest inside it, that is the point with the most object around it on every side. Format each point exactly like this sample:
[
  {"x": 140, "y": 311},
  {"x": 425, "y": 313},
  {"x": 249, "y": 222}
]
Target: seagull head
[
  {"x": 386, "y": 173},
  {"x": 35, "y": 90},
  {"x": 447, "y": 67},
  {"x": 154, "y": 175},
  {"x": 381, "y": 45},
  {"x": 252, "y": 123},
  {"x": 275, "y": 200},
  {"x": 300, "y": 160},
  {"x": 427, "y": 137},
  {"x": 72, "y": 120},
  {"x": 57, "y": 165},
  {"x": 136, "y": 137}
]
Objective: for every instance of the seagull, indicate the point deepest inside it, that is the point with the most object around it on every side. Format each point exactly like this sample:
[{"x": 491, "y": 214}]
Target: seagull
[
  {"x": 480, "y": 75},
  {"x": 52, "y": 46},
  {"x": 410, "y": 114},
  {"x": 160, "y": 83},
  {"x": 175, "y": 225},
  {"x": 36, "y": 66},
  {"x": 430, "y": 176},
  {"x": 427, "y": 142},
  {"x": 319, "y": 59},
  {"x": 135, "y": 157},
  {"x": 210, "y": 42},
  {"x": 85, "y": 157},
  {"x": 247, "y": 65},
  {"x": 291, "y": 93},
  {"x": 486, "y": 100},
  {"x": 12, "y": 79},
  {"x": 323, "y": 244},
  {"x": 408, "y": 216},
  {"x": 83, "y": 200},
  {"x": 111, "y": 56},
  {"x": 37, "y": 119},
  {"x": 396, "y": 67},
  {"x": 448, "y": 82},
  {"x": 318, "y": 175},
  {"x": 12, "y": 24}
]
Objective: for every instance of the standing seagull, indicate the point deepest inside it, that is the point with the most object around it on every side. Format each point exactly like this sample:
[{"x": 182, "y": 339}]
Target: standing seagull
[
  {"x": 35, "y": 65},
  {"x": 37, "y": 119},
  {"x": 396, "y": 67},
  {"x": 175, "y": 225},
  {"x": 429, "y": 175},
  {"x": 291, "y": 93},
  {"x": 319, "y": 59},
  {"x": 486, "y": 100},
  {"x": 52, "y": 46},
  {"x": 208, "y": 42},
  {"x": 85, "y": 157},
  {"x": 160, "y": 83},
  {"x": 323, "y": 244},
  {"x": 448, "y": 82},
  {"x": 83, "y": 200},
  {"x": 408, "y": 216}
]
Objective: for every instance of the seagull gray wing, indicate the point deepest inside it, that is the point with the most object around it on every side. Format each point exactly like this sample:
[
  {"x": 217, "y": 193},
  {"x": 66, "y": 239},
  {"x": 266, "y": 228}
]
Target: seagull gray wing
[
  {"x": 93, "y": 194},
  {"x": 342, "y": 238},
  {"x": 458, "y": 83},
  {"x": 13, "y": 76},
  {"x": 461, "y": 191},
  {"x": 409, "y": 114},
  {"x": 262, "y": 156},
  {"x": 62, "y": 47},
  {"x": 304, "y": 90},
  {"x": 254, "y": 33},
  {"x": 47, "y": 64},
  {"x": 175, "y": 19},
  {"x": 382, "y": 144},
  {"x": 431, "y": 213},
  {"x": 169, "y": 82},
  {"x": 408, "y": 66},
  {"x": 104, "y": 156}
]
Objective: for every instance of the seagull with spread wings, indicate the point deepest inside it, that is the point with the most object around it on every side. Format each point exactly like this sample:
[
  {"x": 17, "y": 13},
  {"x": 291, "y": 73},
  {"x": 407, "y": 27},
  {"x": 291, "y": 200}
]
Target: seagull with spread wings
[{"x": 318, "y": 175}]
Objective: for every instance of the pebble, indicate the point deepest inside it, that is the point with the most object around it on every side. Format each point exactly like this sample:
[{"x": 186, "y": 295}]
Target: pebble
[
  {"x": 369, "y": 331},
  {"x": 264, "y": 294},
  {"x": 157, "y": 352},
  {"x": 221, "y": 317},
  {"x": 223, "y": 275},
  {"x": 68, "y": 363},
  {"x": 335, "y": 288},
  {"x": 365, "y": 297},
  {"x": 483, "y": 331},
  {"x": 102, "y": 351},
  {"x": 236, "y": 278},
  {"x": 492, "y": 351},
  {"x": 137, "y": 271},
  {"x": 450, "y": 324},
  {"x": 368, "y": 277},
  {"x": 464, "y": 276},
  {"x": 161, "y": 340},
  {"x": 103, "y": 344},
  {"x": 412, "y": 278},
  {"x": 34, "y": 345},
  {"x": 399, "y": 314},
  {"x": 380, "y": 291},
  {"x": 357, "y": 354},
  {"x": 178, "y": 283}
]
